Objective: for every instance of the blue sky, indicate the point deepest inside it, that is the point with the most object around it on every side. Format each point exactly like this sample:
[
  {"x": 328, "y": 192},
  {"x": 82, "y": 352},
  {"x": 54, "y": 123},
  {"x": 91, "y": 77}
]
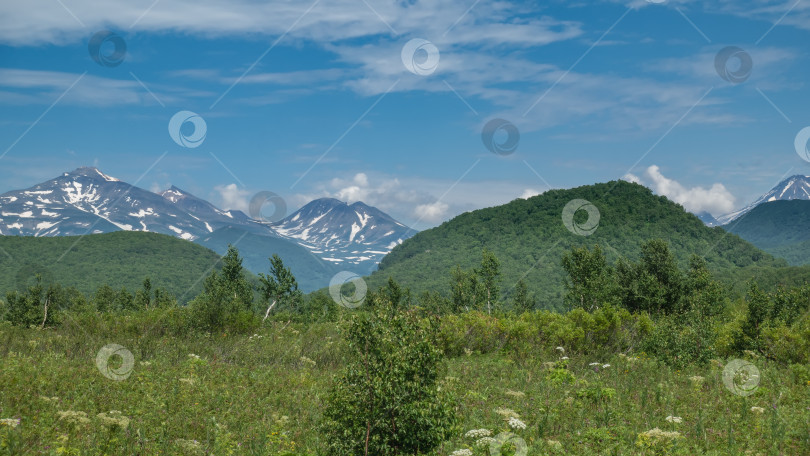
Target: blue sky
[{"x": 309, "y": 99}]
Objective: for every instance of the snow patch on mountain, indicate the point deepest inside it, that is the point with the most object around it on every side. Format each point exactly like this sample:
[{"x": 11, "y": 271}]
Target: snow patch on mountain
[{"x": 794, "y": 187}]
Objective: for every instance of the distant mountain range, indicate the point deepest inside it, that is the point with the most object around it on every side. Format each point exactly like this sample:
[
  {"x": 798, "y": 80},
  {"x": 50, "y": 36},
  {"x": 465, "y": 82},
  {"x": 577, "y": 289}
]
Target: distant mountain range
[{"x": 320, "y": 239}]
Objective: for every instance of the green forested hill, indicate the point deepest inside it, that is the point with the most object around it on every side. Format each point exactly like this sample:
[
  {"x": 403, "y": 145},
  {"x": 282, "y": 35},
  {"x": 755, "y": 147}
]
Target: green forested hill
[
  {"x": 529, "y": 238},
  {"x": 781, "y": 228},
  {"x": 118, "y": 259}
]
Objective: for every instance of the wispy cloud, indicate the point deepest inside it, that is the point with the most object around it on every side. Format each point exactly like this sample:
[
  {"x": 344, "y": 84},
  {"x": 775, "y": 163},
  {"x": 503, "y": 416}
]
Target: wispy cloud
[{"x": 38, "y": 86}]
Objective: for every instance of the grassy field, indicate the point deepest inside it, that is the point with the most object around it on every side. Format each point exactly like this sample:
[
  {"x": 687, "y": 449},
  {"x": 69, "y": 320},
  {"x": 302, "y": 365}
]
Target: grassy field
[{"x": 263, "y": 394}]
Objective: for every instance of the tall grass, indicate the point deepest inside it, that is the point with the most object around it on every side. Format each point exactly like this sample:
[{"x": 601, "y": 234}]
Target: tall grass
[{"x": 263, "y": 392}]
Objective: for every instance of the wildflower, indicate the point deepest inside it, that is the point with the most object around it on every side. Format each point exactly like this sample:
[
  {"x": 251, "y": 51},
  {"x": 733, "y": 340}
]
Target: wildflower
[
  {"x": 476, "y": 433},
  {"x": 74, "y": 417},
  {"x": 594, "y": 364},
  {"x": 464, "y": 452},
  {"x": 145, "y": 363},
  {"x": 697, "y": 380},
  {"x": 554, "y": 444},
  {"x": 193, "y": 356},
  {"x": 306, "y": 360},
  {"x": 564, "y": 358},
  {"x": 467, "y": 351},
  {"x": 656, "y": 438},
  {"x": 759, "y": 410},
  {"x": 485, "y": 442},
  {"x": 674, "y": 419},
  {"x": 10, "y": 422},
  {"x": 560, "y": 349},
  {"x": 515, "y": 393},
  {"x": 114, "y": 420},
  {"x": 515, "y": 423},
  {"x": 506, "y": 413},
  {"x": 49, "y": 399},
  {"x": 191, "y": 446},
  {"x": 605, "y": 366}
]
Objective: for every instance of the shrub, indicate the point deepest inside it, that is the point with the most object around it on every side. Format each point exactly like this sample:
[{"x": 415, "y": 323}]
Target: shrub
[{"x": 388, "y": 401}]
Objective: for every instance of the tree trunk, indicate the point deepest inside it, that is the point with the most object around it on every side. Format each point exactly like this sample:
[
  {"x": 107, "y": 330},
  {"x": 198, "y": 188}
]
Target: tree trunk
[
  {"x": 45, "y": 318},
  {"x": 266, "y": 314}
]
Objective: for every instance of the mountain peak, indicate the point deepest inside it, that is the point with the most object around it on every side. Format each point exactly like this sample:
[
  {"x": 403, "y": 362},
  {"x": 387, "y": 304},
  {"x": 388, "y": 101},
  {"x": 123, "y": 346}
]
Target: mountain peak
[
  {"x": 342, "y": 233},
  {"x": 796, "y": 187},
  {"x": 91, "y": 172}
]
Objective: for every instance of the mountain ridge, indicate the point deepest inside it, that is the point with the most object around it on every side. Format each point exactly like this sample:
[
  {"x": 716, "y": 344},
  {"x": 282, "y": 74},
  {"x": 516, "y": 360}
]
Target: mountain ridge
[
  {"x": 792, "y": 188},
  {"x": 529, "y": 237},
  {"x": 88, "y": 201}
]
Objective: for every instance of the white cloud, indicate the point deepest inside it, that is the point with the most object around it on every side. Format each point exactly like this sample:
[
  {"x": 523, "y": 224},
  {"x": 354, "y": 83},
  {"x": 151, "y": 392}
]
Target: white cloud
[
  {"x": 716, "y": 200},
  {"x": 433, "y": 212},
  {"x": 529, "y": 192},
  {"x": 36, "y": 22},
  {"x": 412, "y": 199},
  {"x": 233, "y": 198},
  {"x": 632, "y": 178}
]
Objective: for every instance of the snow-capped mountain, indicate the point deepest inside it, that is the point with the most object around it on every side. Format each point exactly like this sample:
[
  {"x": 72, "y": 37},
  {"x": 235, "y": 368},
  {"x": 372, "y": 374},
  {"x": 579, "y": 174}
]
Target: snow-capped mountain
[
  {"x": 87, "y": 201},
  {"x": 793, "y": 188},
  {"x": 345, "y": 234}
]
